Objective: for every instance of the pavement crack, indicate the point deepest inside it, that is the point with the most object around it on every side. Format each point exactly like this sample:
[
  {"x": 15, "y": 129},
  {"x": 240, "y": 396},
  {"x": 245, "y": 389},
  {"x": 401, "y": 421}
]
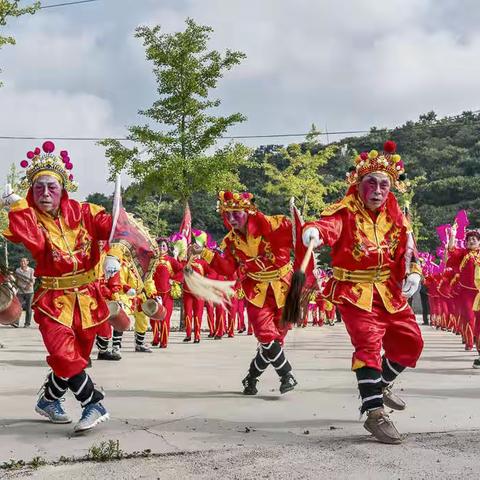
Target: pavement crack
[{"x": 146, "y": 429}]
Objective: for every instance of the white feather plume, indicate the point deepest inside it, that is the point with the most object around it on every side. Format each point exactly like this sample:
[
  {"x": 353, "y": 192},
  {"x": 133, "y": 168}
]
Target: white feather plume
[{"x": 216, "y": 291}]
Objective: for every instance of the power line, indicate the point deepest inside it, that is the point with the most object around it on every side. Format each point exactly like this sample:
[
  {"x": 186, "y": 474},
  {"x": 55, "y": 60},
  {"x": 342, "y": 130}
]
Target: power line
[
  {"x": 66, "y": 4},
  {"x": 236, "y": 137},
  {"x": 437, "y": 123}
]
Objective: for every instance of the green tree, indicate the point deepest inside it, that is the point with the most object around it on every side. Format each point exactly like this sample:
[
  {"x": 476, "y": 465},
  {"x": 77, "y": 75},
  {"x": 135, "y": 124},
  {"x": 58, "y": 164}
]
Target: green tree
[
  {"x": 12, "y": 252},
  {"x": 10, "y": 8},
  {"x": 178, "y": 160},
  {"x": 301, "y": 176},
  {"x": 100, "y": 199}
]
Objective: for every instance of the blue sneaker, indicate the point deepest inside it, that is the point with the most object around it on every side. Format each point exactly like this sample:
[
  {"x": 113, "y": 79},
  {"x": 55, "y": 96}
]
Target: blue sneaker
[
  {"x": 92, "y": 415},
  {"x": 52, "y": 410}
]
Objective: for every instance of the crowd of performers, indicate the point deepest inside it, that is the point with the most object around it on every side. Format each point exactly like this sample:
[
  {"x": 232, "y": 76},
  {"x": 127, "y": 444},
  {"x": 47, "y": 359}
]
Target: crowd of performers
[
  {"x": 453, "y": 283},
  {"x": 374, "y": 270}
]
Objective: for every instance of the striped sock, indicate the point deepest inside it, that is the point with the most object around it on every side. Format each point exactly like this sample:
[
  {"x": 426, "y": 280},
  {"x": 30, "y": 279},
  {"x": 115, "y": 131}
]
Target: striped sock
[
  {"x": 259, "y": 363},
  {"x": 54, "y": 387},
  {"x": 370, "y": 388},
  {"x": 390, "y": 371},
  {"x": 102, "y": 343},
  {"x": 84, "y": 390},
  {"x": 139, "y": 339},
  {"x": 117, "y": 340},
  {"x": 276, "y": 355}
]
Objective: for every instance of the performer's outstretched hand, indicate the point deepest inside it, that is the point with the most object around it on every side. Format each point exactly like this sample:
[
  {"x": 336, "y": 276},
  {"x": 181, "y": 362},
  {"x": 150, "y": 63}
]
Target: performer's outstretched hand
[
  {"x": 309, "y": 234},
  {"x": 8, "y": 196},
  {"x": 111, "y": 266},
  {"x": 411, "y": 284}
]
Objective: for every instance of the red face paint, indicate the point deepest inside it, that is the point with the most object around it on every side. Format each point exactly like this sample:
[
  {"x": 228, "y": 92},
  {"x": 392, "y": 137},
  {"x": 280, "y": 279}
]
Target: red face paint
[
  {"x": 237, "y": 219},
  {"x": 47, "y": 193},
  {"x": 374, "y": 189}
]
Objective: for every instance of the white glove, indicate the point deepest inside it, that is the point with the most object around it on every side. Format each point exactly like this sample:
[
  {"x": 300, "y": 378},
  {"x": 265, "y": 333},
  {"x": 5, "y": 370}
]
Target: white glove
[
  {"x": 309, "y": 234},
  {"x": 111, "y": 266},
  {"x": 8, "y": 197},
  {"x": 411, "y": 284},
  {"x": 131, "y": 293}
]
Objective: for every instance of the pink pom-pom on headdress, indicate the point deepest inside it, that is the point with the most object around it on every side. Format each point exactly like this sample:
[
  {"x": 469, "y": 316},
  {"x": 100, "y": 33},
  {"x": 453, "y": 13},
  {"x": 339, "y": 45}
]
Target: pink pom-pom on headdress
[
  {"x": 37, "y": 151},
  {"x": 30, "y": 155},
  {"x": 69, "y": 166},
  {"x": 48, "y": 146},
  {"x": 66, "y": 159},
  {"x": 24, "y": 164},
  {"x": 64, "y": 153},
  {"x": 70, "y": 177}
]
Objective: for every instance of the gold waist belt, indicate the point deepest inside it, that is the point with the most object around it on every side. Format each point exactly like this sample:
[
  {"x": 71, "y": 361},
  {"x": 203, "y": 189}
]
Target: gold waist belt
[
  {"x": 361, "y": 276},
  {"x": 270, "y": 275},
  {"x": 70, "y": 281}
]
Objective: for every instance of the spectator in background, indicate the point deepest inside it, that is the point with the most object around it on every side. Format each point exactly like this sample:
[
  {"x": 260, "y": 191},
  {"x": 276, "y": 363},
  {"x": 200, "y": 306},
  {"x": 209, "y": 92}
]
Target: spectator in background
[
  {"x": 425, "y": 304},
  {"x": 25, "y": 280}
]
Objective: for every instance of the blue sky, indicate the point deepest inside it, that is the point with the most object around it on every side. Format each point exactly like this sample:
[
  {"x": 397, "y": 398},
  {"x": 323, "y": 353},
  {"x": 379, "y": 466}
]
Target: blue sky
[{"x": 342, "y": 64}]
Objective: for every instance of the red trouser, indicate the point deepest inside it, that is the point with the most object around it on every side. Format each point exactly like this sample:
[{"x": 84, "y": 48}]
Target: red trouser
[
  {"x": 69, "y": 348},
  {"x": 398, "y": 334},
  {"x": 210, "y": 317},
  {"x": 219, "y": 321},
  {"x": 232, "y": 317},
  {"x": 161, "y": 330},
  {"x": 266, "y": 320},
  {"x": 241, "y": 314},
  {"x": 318, "y": 315},
  {"x": 105, "y": 330},
  {"x": 469, "y": 320},
  {"x": 193, "y": 311}
]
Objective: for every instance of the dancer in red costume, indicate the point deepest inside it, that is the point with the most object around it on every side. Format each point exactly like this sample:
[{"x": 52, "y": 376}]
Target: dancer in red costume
[
  {"x": 110, "y": 284},
  {"x": 373, "y": 254},
  {"x": 193, "y": 305},
  {"x": 467, "y": 262},
  {"x": 167, "y": 271},
  {"x": 258, "y": 248},
  {"x": 63, "y": 237}
]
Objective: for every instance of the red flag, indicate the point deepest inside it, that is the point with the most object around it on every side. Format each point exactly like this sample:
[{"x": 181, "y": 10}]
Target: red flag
[
  {"x": 131, "y": 233},
  {"x": 186, "y": 226}
]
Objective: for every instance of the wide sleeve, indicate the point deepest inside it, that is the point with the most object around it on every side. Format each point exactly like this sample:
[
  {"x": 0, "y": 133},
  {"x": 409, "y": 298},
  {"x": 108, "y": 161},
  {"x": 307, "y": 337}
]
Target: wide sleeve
[
  {"x": 100, "y": 220},
  {"x": 176, "y": 265},
  {"x": 222, "y": 264},
  {"x": 330, "y": 228},
  {"x": 23, "y": 228}
]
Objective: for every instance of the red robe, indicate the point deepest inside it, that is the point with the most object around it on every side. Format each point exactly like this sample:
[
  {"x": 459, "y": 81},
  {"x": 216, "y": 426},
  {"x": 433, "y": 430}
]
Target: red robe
[{"x": 67, "y": 245}]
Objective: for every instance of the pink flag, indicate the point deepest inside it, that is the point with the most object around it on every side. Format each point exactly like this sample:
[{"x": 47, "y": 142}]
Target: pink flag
[
  {"x": 461, "y": 220},
  {"x": 442, "y": 231}
]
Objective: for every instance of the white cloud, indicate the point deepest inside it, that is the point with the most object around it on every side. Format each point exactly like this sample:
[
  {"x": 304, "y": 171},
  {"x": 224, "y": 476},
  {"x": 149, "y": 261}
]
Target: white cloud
[
  {"x": 43, "y": 113},
  {"x": 349, "y": 64}
]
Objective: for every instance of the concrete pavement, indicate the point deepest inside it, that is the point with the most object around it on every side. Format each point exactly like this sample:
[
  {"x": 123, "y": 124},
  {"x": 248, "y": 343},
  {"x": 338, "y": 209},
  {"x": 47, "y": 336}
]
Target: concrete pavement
[{"x": 187, "y": 399}]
